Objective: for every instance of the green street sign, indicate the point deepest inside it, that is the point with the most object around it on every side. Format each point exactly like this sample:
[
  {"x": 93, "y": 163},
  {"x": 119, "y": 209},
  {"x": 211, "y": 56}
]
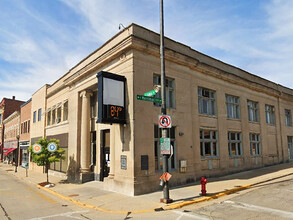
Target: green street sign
[
  {"x": 165, "y": 146},
  {"x": 150, "y": 93},
  {"x": 149, "y": 99}
]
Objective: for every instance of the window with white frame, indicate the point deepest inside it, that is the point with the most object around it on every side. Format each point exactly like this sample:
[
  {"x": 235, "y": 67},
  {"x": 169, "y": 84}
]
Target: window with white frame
[
  {"x": 252, "y": 111},
  {"x": 34, "y": 116},
  {"x": 234, "y": 144},
  {"x": 255, "y": 147},
  {"x": 65, "y": 111},
  {"x": 39, "y": 114},
  {"x": 49, "y": 117},
  {"x": 208, "y": 143},
  {"x": 170, "y": 91},
  {"x": 270, "y": 114},
  {"x": 206, "y": 101},
  {"x": 233, "y": 107},
  {"x": 58, "y": 119},
  {"x": 288, "y": 119},
  {"x": 54, "y": 115},
  {"x": 158, "y": 156}
]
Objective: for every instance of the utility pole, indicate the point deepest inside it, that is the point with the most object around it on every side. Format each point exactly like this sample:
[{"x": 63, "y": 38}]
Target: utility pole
[{"x": 164, "y": 133}]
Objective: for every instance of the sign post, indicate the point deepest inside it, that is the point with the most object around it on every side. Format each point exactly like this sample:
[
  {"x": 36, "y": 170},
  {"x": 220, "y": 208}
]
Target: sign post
[{"x": 164, "y": 134}]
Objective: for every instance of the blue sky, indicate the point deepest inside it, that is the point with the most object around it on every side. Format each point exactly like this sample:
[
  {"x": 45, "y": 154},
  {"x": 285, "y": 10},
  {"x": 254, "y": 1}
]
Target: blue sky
[{"x": 41, "y": 40}]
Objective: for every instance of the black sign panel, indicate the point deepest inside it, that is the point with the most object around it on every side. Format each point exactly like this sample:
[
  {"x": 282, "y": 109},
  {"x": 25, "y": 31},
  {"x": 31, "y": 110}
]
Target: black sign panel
[
  {"x": 144, "y": 162},
  {"x": 111, "y": 98}
]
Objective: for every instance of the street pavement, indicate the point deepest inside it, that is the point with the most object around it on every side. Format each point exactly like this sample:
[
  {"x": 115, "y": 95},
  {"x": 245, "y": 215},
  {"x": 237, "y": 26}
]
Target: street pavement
[{"x": 92, "y": 196}]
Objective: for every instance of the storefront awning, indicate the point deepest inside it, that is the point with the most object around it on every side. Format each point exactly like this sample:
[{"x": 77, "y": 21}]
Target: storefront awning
[{"x": 8, "y": 151}]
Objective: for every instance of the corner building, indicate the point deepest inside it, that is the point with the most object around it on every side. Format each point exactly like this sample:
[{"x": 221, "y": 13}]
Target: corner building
[{"x": 224, "y": 120}]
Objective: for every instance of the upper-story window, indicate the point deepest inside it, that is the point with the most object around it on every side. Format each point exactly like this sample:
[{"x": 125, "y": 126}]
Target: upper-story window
[
  {"x": 170, "y": 91},
  {"x": 28, "y": 126},
  {"x": 65, "y": 111},
  {"x": 270, "y": 114},
  {"x": 206, "y": 101},
  {"x": 54, "y": 115},
  {"x": 35, "y": 116},
  {"x": 58, "y": 119},
  {"x": 233, "y": 107},
  {"x": 0, "y": 118},
  {"x": 252, "y": 111},
  {"x": 49, "y": 117},
  {"x": 39, "y": 114},
  {"x": 288, "y": 119}
]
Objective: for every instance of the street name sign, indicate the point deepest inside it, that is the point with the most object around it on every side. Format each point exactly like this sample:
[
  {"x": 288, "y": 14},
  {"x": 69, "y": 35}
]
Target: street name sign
[
  {"x": 151, "y": 93},
  {"x": 149, "y": 99}
]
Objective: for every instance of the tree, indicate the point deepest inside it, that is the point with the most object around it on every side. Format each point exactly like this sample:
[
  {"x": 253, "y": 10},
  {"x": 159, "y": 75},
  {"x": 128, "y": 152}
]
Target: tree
[{"x": 45, "y": 157}]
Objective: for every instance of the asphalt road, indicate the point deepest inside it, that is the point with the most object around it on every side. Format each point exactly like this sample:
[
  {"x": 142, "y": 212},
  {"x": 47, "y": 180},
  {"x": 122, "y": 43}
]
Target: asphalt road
[{"x": 22, "y": 201}]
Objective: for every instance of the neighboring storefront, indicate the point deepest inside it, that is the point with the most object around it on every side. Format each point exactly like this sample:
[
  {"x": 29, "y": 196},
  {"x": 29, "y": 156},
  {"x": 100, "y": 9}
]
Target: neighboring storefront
[
  {"x": 11, "y": 138},
  {"x": 24, "y": 141}
]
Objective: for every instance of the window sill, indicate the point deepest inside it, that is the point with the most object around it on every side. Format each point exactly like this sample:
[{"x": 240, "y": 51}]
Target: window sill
[
  {"x": 56, "y": 125},
  {"x": 254, "y": 122},
  {"x": 210, "y": 158},
  {"x": 273, "y": 125},
  {"x": 236, "y": 157},
  {"x": 208, "y": 116},
  {"x": 256, "y": 156},
  {"x": 234, "y": 119}
]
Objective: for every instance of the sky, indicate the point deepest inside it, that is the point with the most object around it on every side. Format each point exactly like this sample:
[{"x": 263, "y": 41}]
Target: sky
[{"x": 41, "y": 40}]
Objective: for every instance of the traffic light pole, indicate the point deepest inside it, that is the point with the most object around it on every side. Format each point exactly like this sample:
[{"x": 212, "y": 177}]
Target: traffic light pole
[{"x": 166, "y": 198}]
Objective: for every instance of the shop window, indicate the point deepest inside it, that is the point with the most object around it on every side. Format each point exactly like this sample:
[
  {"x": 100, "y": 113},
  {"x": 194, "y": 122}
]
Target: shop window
[
  {"x": 234, "y": 144},
  {"x": 208, "y": 143},
  {"x": 206, "y": 101},
  {"x": 270, "y": 114},
  {"x": 158, "y": 156},
  {"x": 252, "y": 111},
  {"x": 170, "y": 91},
  {"x": 233, "y": 107},
  {"x": 255, "y": 147}
]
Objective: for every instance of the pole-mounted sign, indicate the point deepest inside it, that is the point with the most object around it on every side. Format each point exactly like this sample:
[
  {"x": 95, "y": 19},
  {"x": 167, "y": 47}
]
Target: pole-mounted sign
[
  {"x": 111, "y": 98},
  {"x": 165, "y": 121}
]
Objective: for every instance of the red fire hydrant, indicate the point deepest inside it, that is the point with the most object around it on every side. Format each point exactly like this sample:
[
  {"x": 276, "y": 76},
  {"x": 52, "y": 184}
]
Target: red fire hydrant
[{"x": 203, "y": 182}]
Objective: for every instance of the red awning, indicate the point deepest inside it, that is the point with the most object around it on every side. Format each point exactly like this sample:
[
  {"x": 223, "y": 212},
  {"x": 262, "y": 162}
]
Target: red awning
[{"x": 9, "y": 151}]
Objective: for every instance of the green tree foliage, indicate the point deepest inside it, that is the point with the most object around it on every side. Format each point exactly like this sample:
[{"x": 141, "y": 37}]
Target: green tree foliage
[{"x": 45, "y": 157}]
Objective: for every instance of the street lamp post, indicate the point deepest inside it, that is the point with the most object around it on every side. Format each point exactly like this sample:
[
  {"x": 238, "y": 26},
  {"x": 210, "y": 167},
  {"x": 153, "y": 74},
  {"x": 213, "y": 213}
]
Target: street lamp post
[{"x": 17, "y": 153}]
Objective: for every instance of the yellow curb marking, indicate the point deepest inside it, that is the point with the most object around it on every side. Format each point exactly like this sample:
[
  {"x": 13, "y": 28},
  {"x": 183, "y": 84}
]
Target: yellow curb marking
[{"x": 167, "y": 207}]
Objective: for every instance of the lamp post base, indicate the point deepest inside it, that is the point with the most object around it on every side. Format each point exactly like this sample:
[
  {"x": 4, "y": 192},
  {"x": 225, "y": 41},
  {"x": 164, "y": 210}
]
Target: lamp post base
[{"x": 166, "y": 201}]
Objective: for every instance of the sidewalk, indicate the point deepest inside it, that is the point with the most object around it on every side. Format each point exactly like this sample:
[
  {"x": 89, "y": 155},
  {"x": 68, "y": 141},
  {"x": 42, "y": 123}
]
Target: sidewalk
[{"x": 92, "y": 195}]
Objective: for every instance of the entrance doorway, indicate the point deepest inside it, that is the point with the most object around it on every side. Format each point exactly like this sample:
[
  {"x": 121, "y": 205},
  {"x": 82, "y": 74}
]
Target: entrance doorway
[{"x": 105, "y": 154}]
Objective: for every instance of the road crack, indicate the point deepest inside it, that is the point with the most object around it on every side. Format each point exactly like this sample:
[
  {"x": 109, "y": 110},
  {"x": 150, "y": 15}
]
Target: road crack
[{"x": 6, "y": 214}]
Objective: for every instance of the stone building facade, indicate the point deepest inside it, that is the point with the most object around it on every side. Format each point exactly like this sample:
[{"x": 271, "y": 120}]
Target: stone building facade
[{"x": 224, "y": 120}]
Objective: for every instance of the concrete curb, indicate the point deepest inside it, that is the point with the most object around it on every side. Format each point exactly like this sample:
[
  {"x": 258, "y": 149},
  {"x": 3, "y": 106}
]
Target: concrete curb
[{"x": 167, "y": 207}]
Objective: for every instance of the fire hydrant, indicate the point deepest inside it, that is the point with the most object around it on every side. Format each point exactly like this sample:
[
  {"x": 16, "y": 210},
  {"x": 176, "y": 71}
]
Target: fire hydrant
[{"x": 203, "y": 182}]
